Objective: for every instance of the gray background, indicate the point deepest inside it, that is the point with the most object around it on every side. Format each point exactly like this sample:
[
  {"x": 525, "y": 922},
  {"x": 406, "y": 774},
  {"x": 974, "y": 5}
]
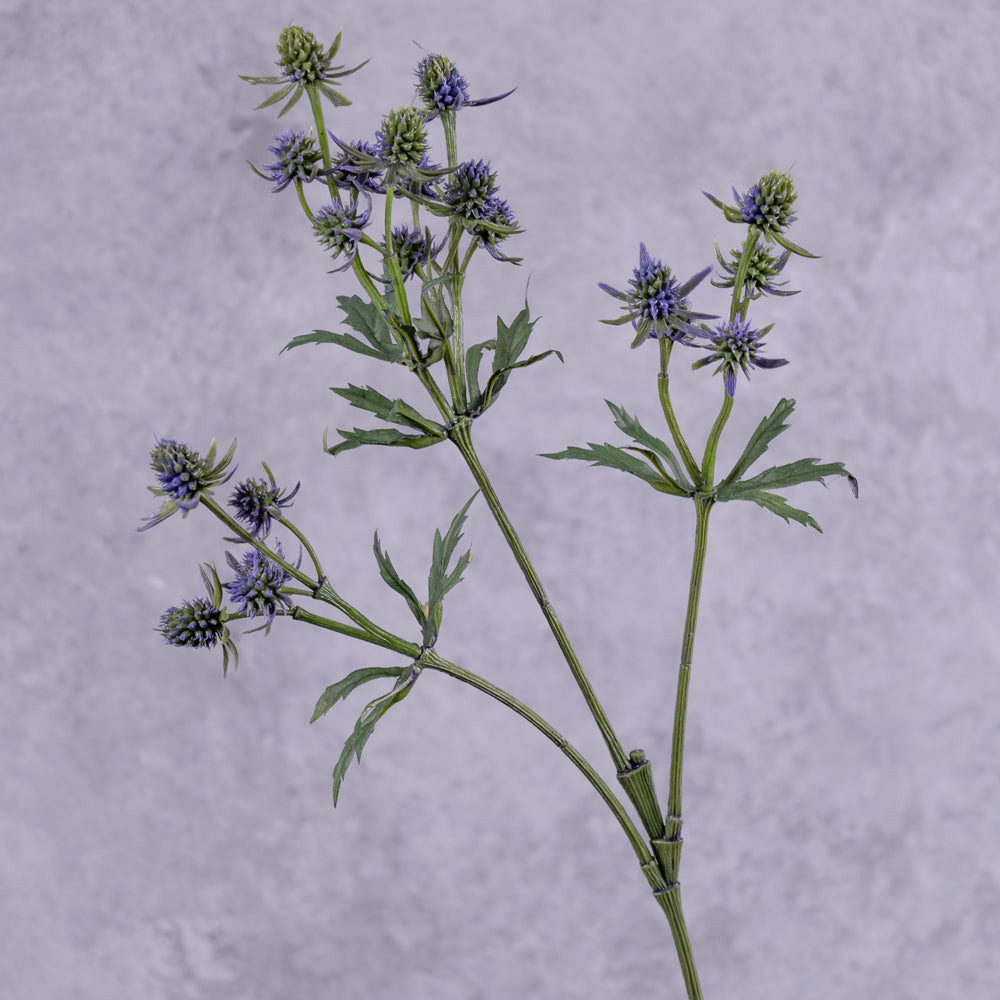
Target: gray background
[{"x": 166, "y": 833}]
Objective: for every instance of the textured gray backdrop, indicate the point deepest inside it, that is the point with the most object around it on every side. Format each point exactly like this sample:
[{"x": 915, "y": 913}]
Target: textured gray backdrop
[{"x": 168, "y": 834}]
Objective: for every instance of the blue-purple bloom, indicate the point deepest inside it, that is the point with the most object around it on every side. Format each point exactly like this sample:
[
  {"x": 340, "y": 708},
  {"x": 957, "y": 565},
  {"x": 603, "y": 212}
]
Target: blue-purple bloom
[
  {"x": 338, "y": 228},
  {"x": 656, "y": 303},
  {"x": 470, "y": 196},
  {"x": 442, "y": 88},
  {"x": 412, "y": 248},
  {"x": 184, "y": 476},
  {"x": 762, "y": 268},
  {"x": 201, "y": 622},
  {"x": 357, "y": 167},
  {"x": 257, "y": 502},
  {"x": 296, "y": 158},
  {"x": 256, "y": 588},
  {"x": 737, "y": 348}
]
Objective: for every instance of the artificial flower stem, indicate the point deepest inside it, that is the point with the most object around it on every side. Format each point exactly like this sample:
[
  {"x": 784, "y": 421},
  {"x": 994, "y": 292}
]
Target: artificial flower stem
[
  {"x": 663, "y": 383},
  {"x": 703, "y": 506},
  {"x": 324, "y": 143},
  {"x": 398, "y": 646},
  {"x": 749, "y": 245},
  {"x": 393, "y": 260},
  {"x": 670, "y": 903},
  {"x": 302, "y": 199},
  {"x": 305, "y": 544},
  {"x": 712, "y": 444},
  {"x": 233, "y": 525},
  {"x": 462, "y": 436},
  {"x": 435, "y": 662}
]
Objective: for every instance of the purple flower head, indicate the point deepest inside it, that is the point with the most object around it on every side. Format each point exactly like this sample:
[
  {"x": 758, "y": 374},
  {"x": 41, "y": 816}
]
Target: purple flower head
[
  {"x": 256, "y": 588},
  {"x": 296, "y": 158},
  {"x": 338, "y": 229},
  {"x": 412, "y": 248},
  {"x": 470, "y": 189},
  {"x": 184, "y": 477},
  {"x": 256, "y": 502},
  {"x": 768, "y": 203},
  {"x": 737, "y": 348},
  {"x": 656, "y": 303},
  {"x": 201, "y": 623},
  {"x": 357, "y": 167},
  {"x": 762, "y": 269},
  {"x": 402, "y": 140},
  {"x": 442, "y": 88}
]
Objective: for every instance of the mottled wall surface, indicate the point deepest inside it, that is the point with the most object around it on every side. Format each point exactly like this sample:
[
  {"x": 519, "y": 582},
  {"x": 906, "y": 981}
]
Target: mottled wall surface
[{"x": 165, "y": 833}]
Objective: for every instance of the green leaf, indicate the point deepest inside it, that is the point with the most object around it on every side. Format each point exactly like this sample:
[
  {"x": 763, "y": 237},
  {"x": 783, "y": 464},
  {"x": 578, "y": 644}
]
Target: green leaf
[
  {"x": 382, "y": 436},
  {"x": 440, "y": 579},
  {"x": 499, "y": 377},
  {"x": 365, "y": 726},
  {"x": 393, "y": 411},
  {"x": 384, "y": 352},
  {"x": 396, "y": 582},
  {"x": 343, "y": 687},
  {"x": 777, "y": 505},
  {"x": 624, "y": 421},
  {"x": 473, "y": 359},
  {"x": 367, "y": 319},
  {"x": 512, "y": 340},
  {"x": 273, "y": 80},
  {"x": 292, "y": 101},
  {"x": 767, "y": 430},
  {"x": 805, "y": 470},
  {"x": 611, "y": 457}
]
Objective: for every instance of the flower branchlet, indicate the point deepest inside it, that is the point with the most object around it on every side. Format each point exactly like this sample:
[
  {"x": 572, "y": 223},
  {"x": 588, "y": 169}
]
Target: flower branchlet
[
  {"x": 762, "y": 270},
  {"x": 338, "y": 228},
  {"x": 296, "y": 158},
  {"x": 184, "y": 476},
  {"x": 256, "y": 588}
]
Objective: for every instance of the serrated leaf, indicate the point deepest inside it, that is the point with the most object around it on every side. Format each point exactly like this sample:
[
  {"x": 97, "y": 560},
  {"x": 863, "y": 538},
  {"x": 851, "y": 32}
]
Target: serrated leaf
[
  {"x": 512, "y": 340},
  {"x": 440, "y": 580},
  {"x": 388, "y": 436},
  {"x": 612, "y": 457},
  {"x": 473, "y": 359},
  {"x": 365, "y": 726},
  {"x": 396, "y": 582},
  {"x": 393, "y": 411},
  {"x": 626, "y": 422},
  {"x": 767, "y": 430},
  {"x": 805, "y": 470},
  {"x": 384, "y": 352},
  {"x": 367, "y": 319},
  {"x": 343, "y": 687},
  {"x": 499, "y": 377},
  {"x": 778, "y": 505}
]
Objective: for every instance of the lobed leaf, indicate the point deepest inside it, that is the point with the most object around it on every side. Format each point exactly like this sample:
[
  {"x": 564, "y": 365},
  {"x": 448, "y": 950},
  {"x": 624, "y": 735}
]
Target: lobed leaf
[
  {"x": 805, "y": 470},
  {"x": 778, "y": 505},
  {"x": 343, "y": 687},
  {"x": 384, "y": 352},
  {"x": 388, "y": 436},
  {"x": 396, "y": 582},
  {"x": 624, "y": 421},
  {"x": 612, "y": 457},
  {"x": 767, "y": 430},
  {"x": 440, "y": 580}
]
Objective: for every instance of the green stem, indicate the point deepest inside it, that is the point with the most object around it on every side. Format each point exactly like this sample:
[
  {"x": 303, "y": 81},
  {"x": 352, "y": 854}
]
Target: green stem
[
  {"x": 302, "y": 200},
  {"x": 670, "y": 903},
  {"x": 316, "y": 103},
  {"x": 666, "y": 346},
  {"x": 462, "y": 437},
  {"x": 305, "y": 544},
  {"x": 432, "y": 660},
  {"x": 387, "y": 642},
  {"x": 712, "y": 444},
  {"x": 703, "y": 506}
]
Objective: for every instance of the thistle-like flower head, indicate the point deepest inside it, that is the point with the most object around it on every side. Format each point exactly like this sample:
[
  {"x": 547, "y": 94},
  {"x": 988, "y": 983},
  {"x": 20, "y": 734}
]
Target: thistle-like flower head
[
  {"x": 402, "y": 139},
  {"x": 338, "y": 229},
  {"x": 470, "y": 196},
  {"x": 767, "y": 206},
  {"x": 201, "y": 623},
  {"x": 412, "y": 248},
  {"x": 737, "y": 348},
  {"x": 442, "y": 88},
  {"x": 256, "y": 502},
  {"x": 656, "y": 303},
  {"x": 184, "y": 476},
  {"x": 256, "y": 588},
  {"x": 358, "y": 166},
  {"x": 296, "y": 158},
  {"x": 400, "y": 149},
  {"x": 762, "y": 270},
  {"x": 303, "y": 62}
]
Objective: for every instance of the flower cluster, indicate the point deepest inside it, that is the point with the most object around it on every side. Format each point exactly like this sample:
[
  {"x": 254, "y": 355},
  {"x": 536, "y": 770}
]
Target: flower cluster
[
  {"x": 442, "y": 88},
  {"x": 256, "y": 588},
  {"x": 184, "y": 476},
  {"x": 656, "y": 303},
  {"x": 357, "y": 167},
  {"x": 762, "y": 268},
  {"x": 470, "y": 196},
  {"x": 338, "y": 229},
  {"x": 256, "y": 502},
  {"x": 412, "y": 248},
  {"x": 296, "y": 158},
  {"x": 201, "y": 622},
  {"x": 737, "y": 348}
]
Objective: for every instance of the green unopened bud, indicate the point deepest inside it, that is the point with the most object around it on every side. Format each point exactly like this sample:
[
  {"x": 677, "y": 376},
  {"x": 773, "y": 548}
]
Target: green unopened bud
[
  {"x": 300, "y": 56},
  {"x": 402, "y": 140}
]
